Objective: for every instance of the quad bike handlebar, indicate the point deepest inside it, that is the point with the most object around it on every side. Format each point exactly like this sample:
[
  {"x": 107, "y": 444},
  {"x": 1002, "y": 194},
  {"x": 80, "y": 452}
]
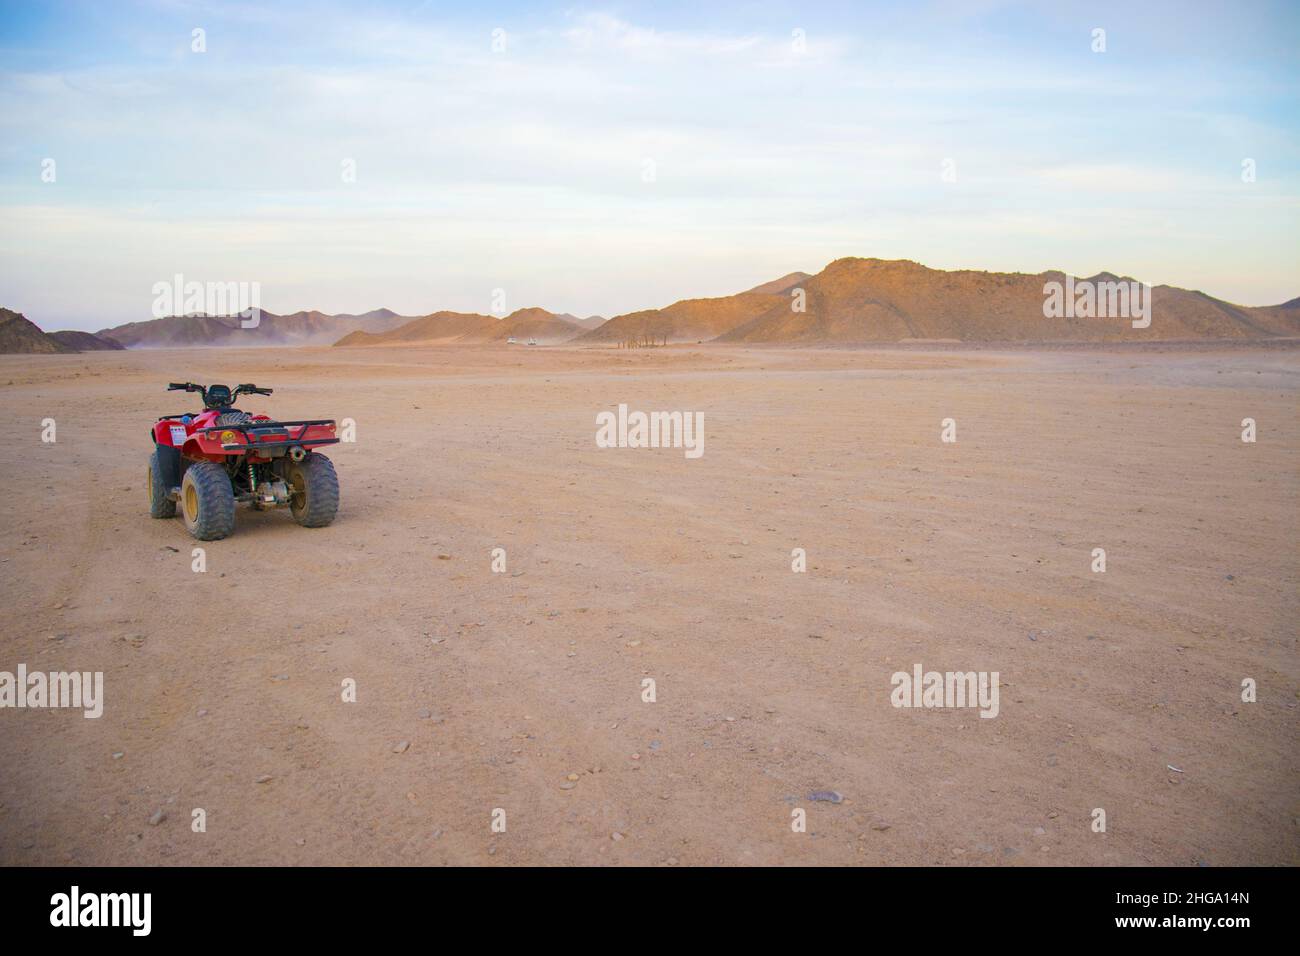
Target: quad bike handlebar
[{"x": 218, "y": 396}]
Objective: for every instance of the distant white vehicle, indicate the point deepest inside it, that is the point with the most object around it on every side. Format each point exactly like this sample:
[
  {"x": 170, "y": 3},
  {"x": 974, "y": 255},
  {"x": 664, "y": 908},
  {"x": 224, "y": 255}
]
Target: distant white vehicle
[
  {"x": 532, "y": 341},
  {"x": 510, "y": 341}
]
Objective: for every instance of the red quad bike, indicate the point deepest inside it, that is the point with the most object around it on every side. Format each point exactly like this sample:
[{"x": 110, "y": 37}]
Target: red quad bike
[{"x": 207, "y": 462}]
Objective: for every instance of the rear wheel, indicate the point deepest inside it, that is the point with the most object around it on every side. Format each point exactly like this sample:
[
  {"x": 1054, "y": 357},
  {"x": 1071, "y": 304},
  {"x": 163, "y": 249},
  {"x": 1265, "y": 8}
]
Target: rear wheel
[
  {"x": 160, "y": 502},
  {"x": 207, "y": 501},
  {"x": 313, "y": 491}
]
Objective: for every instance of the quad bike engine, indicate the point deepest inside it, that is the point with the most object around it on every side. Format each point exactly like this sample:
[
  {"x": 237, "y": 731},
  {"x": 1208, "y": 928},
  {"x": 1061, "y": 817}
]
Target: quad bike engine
[{"x": 271, "y": 494}]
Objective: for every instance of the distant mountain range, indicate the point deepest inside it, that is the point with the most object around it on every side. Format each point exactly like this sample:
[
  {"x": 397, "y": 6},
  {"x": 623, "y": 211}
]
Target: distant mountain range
[
  {"x": 524, "y": 325},
  {"x": 590, "y": 322},
  {"x": 850, "y": 302},
  {"x": 872, "y": 300},
  {"x": 19, "y": 335},
  {"x": 864, "y": 301},
  {"x": 370, "y": 328},
  {"x": 298, "y": 328},
  {"x": 86, "y": 341}
]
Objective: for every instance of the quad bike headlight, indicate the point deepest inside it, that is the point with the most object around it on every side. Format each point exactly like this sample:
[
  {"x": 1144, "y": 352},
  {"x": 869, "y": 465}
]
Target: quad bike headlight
[{"x": 228, "y": 438}]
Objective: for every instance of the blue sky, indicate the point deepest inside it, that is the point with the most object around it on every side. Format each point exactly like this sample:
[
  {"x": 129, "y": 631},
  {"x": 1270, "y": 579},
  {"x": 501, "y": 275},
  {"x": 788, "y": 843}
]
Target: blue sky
[{"x": 619, "y": 157}]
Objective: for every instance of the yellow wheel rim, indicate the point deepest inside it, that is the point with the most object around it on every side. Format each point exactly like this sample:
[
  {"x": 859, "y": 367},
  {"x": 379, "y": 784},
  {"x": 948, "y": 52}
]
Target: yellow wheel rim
[
  {"x": 191, "y": 503},
  {"x": 298, "y": 491}
]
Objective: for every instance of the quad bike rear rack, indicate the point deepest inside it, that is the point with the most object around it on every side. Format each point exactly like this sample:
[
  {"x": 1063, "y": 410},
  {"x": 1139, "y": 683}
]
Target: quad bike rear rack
[{"x": 250, "y": 430}]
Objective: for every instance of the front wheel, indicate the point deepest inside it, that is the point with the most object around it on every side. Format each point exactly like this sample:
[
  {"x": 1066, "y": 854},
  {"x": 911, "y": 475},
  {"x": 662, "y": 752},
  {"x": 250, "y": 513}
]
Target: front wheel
[
  {"x": 207, "y": 501},
  {"x": 313, "y": 491}
]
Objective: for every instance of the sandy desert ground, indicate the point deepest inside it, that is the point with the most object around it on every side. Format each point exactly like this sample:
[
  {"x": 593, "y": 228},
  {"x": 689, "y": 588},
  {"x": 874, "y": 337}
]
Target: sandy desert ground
[{"x": 627, "y": 563}]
